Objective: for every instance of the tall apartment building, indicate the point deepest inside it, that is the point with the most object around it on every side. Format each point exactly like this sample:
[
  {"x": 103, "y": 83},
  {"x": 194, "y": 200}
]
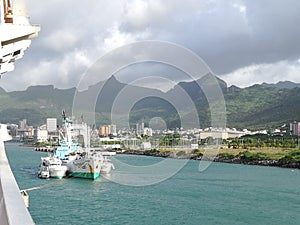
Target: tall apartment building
[
  {"x": 23, "y": 124},
  {"x": 295, "y": 128},
  {"x": 51, "y": 124},
  {"x": 41, "y": 134},
  {"x": 103, "y": 131},
  {"x": 139, "y": 129},
  {"x": 106, "y": 130},
  {"x": 112, "y": 129}
]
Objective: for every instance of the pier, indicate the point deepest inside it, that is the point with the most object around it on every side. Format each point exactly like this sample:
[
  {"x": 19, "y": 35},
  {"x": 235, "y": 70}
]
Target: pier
[{"x": 43, "y": 149}]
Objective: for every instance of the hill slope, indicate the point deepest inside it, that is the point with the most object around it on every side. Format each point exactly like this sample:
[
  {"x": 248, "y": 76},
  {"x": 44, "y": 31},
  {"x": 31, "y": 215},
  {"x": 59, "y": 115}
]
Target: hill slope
[{"x": 258, "y": 106}]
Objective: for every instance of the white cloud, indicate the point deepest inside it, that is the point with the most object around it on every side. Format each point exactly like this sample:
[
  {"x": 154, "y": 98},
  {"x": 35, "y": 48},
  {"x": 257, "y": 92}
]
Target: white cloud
[
  {"x": 62, "y": 40},
  {"x": 268, "y": 73},
  {"x": 242, "y": 8},
  {"x": 117, "y": 39}
]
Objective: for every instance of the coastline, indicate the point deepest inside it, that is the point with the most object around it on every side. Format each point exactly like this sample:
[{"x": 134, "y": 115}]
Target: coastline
[
  {"x": 272, "y": 157},
  {"x": 261, "y": 159}
]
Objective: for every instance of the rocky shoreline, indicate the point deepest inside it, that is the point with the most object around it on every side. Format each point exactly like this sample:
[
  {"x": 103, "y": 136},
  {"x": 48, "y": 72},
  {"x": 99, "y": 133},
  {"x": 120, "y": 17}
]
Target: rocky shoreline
[
  {"x": 233, "y": 160},
  {"x": 264, "y": 162}
]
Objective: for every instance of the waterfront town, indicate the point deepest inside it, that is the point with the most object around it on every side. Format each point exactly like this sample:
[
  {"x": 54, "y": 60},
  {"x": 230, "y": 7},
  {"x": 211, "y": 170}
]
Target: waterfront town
[{"x": 142, "y": 137}]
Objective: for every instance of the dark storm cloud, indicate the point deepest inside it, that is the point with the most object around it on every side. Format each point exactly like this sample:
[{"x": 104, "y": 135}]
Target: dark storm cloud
[{"x": 234, "y": 37}]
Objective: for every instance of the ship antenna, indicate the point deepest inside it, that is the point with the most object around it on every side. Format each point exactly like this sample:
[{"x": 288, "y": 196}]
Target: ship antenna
[{"x": 64, "y": 115}]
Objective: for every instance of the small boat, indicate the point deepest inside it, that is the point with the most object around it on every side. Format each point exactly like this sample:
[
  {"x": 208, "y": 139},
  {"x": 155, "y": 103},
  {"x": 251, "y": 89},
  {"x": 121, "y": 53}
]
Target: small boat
[
  {"x": 107, "y": 166},
  {"x": 44, "y": 172},
  {"x": 54, "y": 165}
]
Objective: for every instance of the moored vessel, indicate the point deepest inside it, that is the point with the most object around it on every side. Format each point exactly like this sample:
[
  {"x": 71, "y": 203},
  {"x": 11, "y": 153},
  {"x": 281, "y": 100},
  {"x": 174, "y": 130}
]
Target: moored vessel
[
  {"x": 54, "y": 166},
  {"x": 76, "y": 161},
  {"x": 88, "y": 162},
  {"x": 85, "y": 164},
  {"x": 107, "y": 166},
  {"x": 44, "y": 172}
]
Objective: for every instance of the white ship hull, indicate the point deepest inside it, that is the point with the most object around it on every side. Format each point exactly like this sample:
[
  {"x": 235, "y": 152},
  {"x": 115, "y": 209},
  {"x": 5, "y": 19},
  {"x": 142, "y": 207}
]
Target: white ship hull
[
  {"x": 44, "y": 172},
  {"x": 54, "y": 166},
  {"x": 58, "y": 171},
  {"x": 85, "y": 166}
]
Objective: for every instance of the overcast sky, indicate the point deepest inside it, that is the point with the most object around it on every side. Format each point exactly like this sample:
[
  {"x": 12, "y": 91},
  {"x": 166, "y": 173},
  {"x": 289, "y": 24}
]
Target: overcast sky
[{"x": 242, "y": 41}]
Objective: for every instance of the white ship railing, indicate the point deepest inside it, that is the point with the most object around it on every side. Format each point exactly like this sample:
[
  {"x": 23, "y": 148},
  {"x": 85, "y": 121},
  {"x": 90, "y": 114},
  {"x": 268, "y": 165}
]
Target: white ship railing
[{"x": 12, "y": 207}]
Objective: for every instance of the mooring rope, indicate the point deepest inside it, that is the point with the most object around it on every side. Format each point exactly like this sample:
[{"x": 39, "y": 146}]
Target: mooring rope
[{"x": 44, "y": 185}]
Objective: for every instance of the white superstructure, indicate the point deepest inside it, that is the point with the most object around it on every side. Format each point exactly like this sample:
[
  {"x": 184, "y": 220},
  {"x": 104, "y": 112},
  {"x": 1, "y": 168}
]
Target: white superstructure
[{"x": 15, "y": 33}]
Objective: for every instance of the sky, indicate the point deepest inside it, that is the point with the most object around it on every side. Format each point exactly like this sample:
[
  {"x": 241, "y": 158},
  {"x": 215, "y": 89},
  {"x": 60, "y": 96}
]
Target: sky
[{"x": 244, "y": 42}]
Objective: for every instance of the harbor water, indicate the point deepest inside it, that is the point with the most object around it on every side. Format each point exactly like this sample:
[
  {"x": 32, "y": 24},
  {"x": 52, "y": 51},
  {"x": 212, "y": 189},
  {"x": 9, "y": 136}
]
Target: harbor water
[{"x": 223, "y": 194}]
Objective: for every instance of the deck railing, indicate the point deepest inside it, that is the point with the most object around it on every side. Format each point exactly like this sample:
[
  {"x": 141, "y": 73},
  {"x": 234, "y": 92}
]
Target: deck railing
[{"x": 12, "y": 207}]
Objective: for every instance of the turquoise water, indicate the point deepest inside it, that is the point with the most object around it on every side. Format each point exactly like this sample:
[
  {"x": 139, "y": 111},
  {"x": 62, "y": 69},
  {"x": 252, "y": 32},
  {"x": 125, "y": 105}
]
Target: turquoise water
[{"x": 223, "y": 194}]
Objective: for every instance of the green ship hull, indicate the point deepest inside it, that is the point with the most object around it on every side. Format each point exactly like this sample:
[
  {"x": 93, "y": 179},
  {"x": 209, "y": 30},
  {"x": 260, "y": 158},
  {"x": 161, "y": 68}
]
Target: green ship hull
[{"x": 92, "y": 176}]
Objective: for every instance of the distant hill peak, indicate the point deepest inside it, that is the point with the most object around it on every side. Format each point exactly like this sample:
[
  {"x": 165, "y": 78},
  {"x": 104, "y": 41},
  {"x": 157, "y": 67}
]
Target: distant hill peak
[
  {"x": 282, "y": 85},
  {"x": 40, "y": 87}
]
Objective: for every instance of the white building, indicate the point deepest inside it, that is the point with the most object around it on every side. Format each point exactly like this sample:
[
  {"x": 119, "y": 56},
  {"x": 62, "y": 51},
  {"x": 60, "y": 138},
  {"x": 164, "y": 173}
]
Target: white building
[
  {"x": 147, "y": 132},
  {"x": 220, "y": 133},
  {"x": 51, "y": 124},
  {"x": 112, "y": 129},
  {"x": 40, "y": 134},
  {"x": 106, "y": 130},
  {"x": 139, "y": 128},
  {"x": 145, "y": 145}
]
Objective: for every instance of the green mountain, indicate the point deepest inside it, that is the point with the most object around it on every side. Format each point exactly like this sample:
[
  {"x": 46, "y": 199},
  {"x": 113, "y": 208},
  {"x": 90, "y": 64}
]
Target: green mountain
[
  {"x": 34, "y": 104},
  {"x": 255, "y": 107}
]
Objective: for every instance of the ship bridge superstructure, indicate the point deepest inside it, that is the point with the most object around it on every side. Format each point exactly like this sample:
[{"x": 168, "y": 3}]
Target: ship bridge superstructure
[{"x": 15, "y": 33}]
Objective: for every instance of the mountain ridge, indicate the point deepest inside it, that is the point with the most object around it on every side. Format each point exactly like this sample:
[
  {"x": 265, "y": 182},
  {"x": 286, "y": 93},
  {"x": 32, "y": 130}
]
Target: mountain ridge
[{"x": 258, "y": 106}]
